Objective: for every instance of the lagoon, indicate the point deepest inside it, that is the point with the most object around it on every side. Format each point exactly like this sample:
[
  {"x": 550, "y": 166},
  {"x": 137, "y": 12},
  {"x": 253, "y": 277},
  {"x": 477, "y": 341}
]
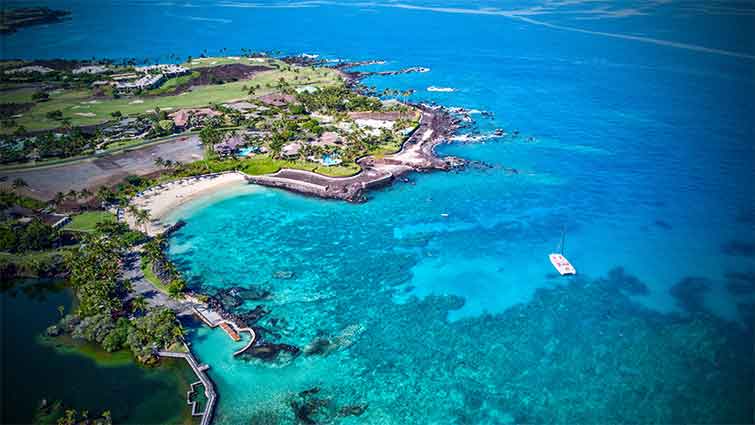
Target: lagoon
[{"x": 81, "y": 376}]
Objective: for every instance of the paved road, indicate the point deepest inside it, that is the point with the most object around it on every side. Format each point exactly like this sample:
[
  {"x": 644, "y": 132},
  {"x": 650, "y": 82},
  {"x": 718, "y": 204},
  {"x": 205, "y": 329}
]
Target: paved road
[{"x": 44, "y": 183}]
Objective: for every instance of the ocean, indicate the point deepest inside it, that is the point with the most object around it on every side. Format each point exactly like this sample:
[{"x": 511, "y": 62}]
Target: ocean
[{"x": 435, "y": 302}]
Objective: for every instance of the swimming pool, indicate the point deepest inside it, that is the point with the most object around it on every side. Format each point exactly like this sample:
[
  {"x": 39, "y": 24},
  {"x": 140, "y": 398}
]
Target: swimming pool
[
  {"x": 247, "y": 151},
  {"x": 328, "y": 160}
]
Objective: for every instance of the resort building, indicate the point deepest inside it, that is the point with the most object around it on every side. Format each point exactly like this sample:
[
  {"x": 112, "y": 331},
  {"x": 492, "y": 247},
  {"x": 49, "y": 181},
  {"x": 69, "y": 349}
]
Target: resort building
[
  {"x": 126, "y": 128},
  {"x": 26, "y": 215},
  {"x": 146, "y": 82},
  {"x": 168, "y": 70},
  {"x": 230, "y": 145},
  {"x": 185, "y": 119},
  {"x": 329, "y": 138},
  {"x": 374, "y": 122},
  {"x": 124, "y": 76},
  {"x": 291, "y": 150},
  {"x": 152, "y": 77},
  {"x": 240, "y": 106},
  {"x": 277, "y": 99}
]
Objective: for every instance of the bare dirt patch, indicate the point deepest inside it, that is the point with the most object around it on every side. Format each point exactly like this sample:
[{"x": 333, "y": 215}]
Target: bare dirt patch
[{"x": 219, "y": 75}]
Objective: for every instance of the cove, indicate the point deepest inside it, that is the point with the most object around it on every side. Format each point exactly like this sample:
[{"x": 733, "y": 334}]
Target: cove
[{"x": 34, "y": 369}]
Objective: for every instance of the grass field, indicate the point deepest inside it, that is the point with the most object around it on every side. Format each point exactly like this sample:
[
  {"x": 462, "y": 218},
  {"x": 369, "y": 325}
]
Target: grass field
[
  {"x": 18, "y": 96},
  {"x": 171, "y": 85},
  {"x": 152, "y": 277},
  {"x": 86, "y": 222},
  {"x": 263, "y": 164},
  {"x": 82, "y": 109}
]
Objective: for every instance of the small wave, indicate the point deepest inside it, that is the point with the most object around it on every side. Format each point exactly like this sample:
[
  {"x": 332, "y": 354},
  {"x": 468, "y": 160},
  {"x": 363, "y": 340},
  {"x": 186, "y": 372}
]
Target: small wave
[
  {"x": 441, "y": 89},
  {"x": 460, "y": 110},
  {"x": 474, "y": 138},
  {"x": 309, "y": 56}
]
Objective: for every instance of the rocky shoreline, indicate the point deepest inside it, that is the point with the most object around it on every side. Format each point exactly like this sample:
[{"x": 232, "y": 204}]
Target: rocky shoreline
[{"x": 417, "y": 154}]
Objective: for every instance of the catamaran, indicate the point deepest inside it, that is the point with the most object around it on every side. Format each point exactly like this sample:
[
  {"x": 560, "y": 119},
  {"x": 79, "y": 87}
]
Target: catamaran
[{"x": 559, "y": 261}]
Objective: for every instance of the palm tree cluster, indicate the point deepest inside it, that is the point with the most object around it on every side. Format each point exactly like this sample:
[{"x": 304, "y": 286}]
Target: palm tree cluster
[
  {"x": 167, "y": 163},
  {"x": 153, "y": 253},
  {"x": 141, "y": 217},
  {"x": 101, "y": 315},
  {"x": 72, "y": 195},
  {"x": 95, "y": 273}
]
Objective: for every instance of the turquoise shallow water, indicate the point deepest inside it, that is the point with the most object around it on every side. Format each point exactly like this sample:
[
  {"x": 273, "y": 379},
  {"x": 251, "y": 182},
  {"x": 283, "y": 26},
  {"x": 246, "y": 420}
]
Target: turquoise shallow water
[{"x": 642, "y": 150}]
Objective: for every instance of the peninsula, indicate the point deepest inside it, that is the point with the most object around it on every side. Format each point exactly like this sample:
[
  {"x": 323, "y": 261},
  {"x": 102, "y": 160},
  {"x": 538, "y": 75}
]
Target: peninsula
[
  {"x": 12, "y": 19},
  {"x": 291, "y": 123}
]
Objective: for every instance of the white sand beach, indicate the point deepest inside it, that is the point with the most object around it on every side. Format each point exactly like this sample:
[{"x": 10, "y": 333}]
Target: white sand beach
[{"x": 162, "y": 200}]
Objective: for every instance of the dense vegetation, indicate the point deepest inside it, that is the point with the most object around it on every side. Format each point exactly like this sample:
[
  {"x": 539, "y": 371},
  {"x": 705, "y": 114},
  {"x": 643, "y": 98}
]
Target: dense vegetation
[
  {"x": 56, "y": 413},
  {"x": 18, "y": 237},
  {"x": 153, "y": 254},
  {"x": 103, "y": 315}
]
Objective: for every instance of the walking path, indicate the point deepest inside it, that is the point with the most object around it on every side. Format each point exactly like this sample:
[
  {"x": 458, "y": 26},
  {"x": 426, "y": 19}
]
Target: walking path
[
  {"x": 209, "y": 387},
  {"x": 185, "y": 307},
  {"x": 142, "y": 287}
]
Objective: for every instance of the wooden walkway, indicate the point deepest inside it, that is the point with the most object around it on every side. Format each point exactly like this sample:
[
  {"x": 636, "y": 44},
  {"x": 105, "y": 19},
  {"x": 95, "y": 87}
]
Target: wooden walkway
[
  {"x": 209, "y": 387},
  {"x": 232, "y": 333}
]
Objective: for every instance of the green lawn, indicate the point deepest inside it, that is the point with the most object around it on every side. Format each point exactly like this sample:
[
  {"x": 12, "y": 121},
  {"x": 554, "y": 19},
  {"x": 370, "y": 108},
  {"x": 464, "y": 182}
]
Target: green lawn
[
  {"x": 18, "y": 96},
  {"x": 263, "y": 164},
  {"x": 152, "y": 277},
  {"x": 171, "y": 85},
  {"x": 82, "y": 109},
  {"x": 86, "y": 222}
]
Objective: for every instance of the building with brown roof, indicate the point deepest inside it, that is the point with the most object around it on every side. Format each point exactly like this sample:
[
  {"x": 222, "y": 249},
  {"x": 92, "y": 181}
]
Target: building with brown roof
[{"x": 277, "y": 99}]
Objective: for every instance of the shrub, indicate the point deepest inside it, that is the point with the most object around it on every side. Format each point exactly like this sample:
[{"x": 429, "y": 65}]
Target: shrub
[
  {"x": 55, "y": 115},
  {"x": 40, "y": 96}
]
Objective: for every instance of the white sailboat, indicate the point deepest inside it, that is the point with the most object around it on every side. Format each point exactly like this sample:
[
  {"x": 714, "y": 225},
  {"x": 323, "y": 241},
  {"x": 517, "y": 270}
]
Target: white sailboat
[{"x": 560, "y": 262}]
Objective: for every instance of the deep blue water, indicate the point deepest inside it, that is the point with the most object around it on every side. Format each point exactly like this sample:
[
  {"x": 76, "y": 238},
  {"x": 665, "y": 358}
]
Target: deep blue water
[{"x": 643, "y": 151}]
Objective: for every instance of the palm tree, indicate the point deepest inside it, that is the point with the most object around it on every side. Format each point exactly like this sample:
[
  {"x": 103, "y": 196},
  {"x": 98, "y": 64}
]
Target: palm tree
[
  {"x": 85, "y": 194},
  {"x": 142, "y": 217},
  {"x": 178, "y": 332},
  {"x": 159, "y": 161},
  {"x": 153, "y": 250},
  {"x": 139, "y": 304},
  {"x": 59, "y": 198},
  {"x": 72, "y": 194},
  {"x": 19, "y": 183},
  {"x": 103, "y": 193}
]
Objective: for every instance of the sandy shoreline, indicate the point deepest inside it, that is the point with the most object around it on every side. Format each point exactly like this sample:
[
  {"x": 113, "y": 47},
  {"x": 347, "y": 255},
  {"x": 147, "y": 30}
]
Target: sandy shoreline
[
  {"x": 416, "y": 154},
  {"x": 162, "y": 200}
]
